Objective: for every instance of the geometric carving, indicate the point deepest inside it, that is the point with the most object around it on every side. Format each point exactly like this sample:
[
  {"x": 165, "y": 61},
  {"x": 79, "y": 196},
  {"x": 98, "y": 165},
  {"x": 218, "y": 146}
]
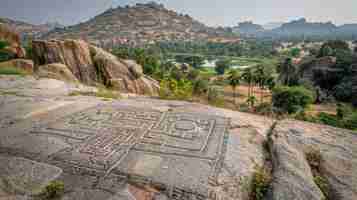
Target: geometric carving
[{"x": 102, "y": 136}]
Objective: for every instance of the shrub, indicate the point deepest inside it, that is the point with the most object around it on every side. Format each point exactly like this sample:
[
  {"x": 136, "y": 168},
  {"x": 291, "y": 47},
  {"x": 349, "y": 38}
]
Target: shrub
[
  {"x": 328, "y": 119},
  {"x": 200, "y": 86},
  {"x": 291, "y": 99},
  {"x": 214, "y": 97},
  {"x": 260, "y": 183},
  {"x": 314, "y": 158},
  {"x": 222, "y": 66},
  {"x": 264, "y": 108},
  {"x": 350, "y": 121},
  {"x": 53, "y": 190},
  {"x": 323, "y": 184},
  {"x": 173, "y": 89}
]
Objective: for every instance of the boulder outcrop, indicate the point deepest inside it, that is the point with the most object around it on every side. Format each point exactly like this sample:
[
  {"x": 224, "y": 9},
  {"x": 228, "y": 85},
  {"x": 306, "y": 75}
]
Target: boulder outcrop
[
  {"x": 92, "y": 65},
  {"x": 323, "y": 65},
  {"x": 292, "y": 140},
  {"x": 56, "y": 71},
  {"x": 14, "y": 41}
]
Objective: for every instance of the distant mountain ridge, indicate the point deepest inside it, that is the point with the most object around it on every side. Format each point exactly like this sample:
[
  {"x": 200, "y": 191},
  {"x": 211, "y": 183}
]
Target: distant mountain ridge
[
  {"x": 141, "y": 23},
  {"x": 301, "y": 28},
  {"x": 26, "y": 30}
]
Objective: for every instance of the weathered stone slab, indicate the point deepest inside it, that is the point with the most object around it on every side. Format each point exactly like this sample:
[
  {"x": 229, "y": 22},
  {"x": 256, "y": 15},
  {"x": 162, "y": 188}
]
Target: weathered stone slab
[{"x": 177, "y": 150}]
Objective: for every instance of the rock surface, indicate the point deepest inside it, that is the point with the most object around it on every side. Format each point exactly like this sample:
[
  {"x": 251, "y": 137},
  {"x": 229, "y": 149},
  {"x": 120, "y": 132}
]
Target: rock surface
[
  {"x": 23, "y": 176},
  {"x": 293, "y": 179},
  {"x": 56, "y": 71},
  {"x": 93, "y": 65},
  {"x": 142, "y": 148}
]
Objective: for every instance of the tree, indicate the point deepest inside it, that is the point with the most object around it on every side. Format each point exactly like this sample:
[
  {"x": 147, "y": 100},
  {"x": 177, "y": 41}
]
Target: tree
[
  {"x": 200, "y": 86},
  {"x": 295, "y": 52},
  {"x": 222, "y": 66},
  {"x": 251, "y": 101},
  {"x": 4, "y": 55},
  {"x": 193, "y": 60},
  {"x": 287, "y": 72},
  {"x": 248, "y": 76},
  {"x": 329, "y": 48},
  {"x": 234, "y": 80},
  {"x": 264, "y": 79},
  {"x": 291, "y": 99}
]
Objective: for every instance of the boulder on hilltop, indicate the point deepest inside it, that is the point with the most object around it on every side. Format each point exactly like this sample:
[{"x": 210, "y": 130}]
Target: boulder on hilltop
[{"x": 92, "y": 65}]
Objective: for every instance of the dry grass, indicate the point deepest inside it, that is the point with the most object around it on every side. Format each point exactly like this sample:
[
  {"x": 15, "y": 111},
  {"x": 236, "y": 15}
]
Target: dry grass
[{"x": 102, "y": 93}]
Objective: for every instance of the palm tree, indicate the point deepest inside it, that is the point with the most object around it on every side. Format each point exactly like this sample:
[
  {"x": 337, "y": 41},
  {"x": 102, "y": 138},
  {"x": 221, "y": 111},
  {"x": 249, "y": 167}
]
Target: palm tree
[
  {"x": 260, "y": 78},
  {"x": 234, "y": 80},
  {"x": 248, "y": 76}
]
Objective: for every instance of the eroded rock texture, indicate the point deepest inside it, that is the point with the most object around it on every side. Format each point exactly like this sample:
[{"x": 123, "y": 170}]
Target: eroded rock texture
[
  {"x": 292, "y": 175},
  {"x": 93, "y": 65}
]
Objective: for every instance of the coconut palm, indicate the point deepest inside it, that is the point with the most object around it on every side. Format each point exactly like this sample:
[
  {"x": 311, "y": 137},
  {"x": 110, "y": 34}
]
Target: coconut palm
[
  {"x": 248, "y": 76},
  {"x": 260, "y": 76},
  {"x": 234, "y": 80}
]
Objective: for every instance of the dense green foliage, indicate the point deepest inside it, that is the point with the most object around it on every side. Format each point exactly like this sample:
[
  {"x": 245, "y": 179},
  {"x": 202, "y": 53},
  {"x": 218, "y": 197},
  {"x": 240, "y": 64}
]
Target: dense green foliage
[
  {"x": 176, "y": 90},
  {"x": 291, "y": 99},
  {"x": 194, "y": 60},
  {"x": 4, "y": 55},
  {"x": 150, "y": 61},
  {"x": 222, "y": 66},
  {"x": 295, "y": 52},
  {"x": 249, "y": 48},
  {"x": 346, "y": 117}
]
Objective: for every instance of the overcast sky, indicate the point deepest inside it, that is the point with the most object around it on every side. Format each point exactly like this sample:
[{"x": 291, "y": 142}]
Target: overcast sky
[{"x": 211, "y": 12}]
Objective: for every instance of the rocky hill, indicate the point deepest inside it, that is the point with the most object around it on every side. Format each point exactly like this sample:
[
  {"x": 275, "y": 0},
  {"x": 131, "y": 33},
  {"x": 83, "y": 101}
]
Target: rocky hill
[
  {"x": 90, "y": 65},
  {"x": 26, "y": 30},
  {"x": 249, "y": 28},
  {"x": 142, "y": 23}
]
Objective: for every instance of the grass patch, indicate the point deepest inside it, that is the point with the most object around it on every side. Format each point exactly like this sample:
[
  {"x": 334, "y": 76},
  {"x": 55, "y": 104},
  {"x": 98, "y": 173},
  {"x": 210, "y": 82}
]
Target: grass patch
[
  {"x": 54, "y": 190},
  {"x": 260, "y": 183},
  {"x": 12, "y": 71},
  {"x": 102, "y": 93}
]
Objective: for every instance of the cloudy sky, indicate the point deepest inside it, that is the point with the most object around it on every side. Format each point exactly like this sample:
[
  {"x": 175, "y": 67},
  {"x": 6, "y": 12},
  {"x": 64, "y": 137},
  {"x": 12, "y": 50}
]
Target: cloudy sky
[{"x": 211, "y": 12}]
